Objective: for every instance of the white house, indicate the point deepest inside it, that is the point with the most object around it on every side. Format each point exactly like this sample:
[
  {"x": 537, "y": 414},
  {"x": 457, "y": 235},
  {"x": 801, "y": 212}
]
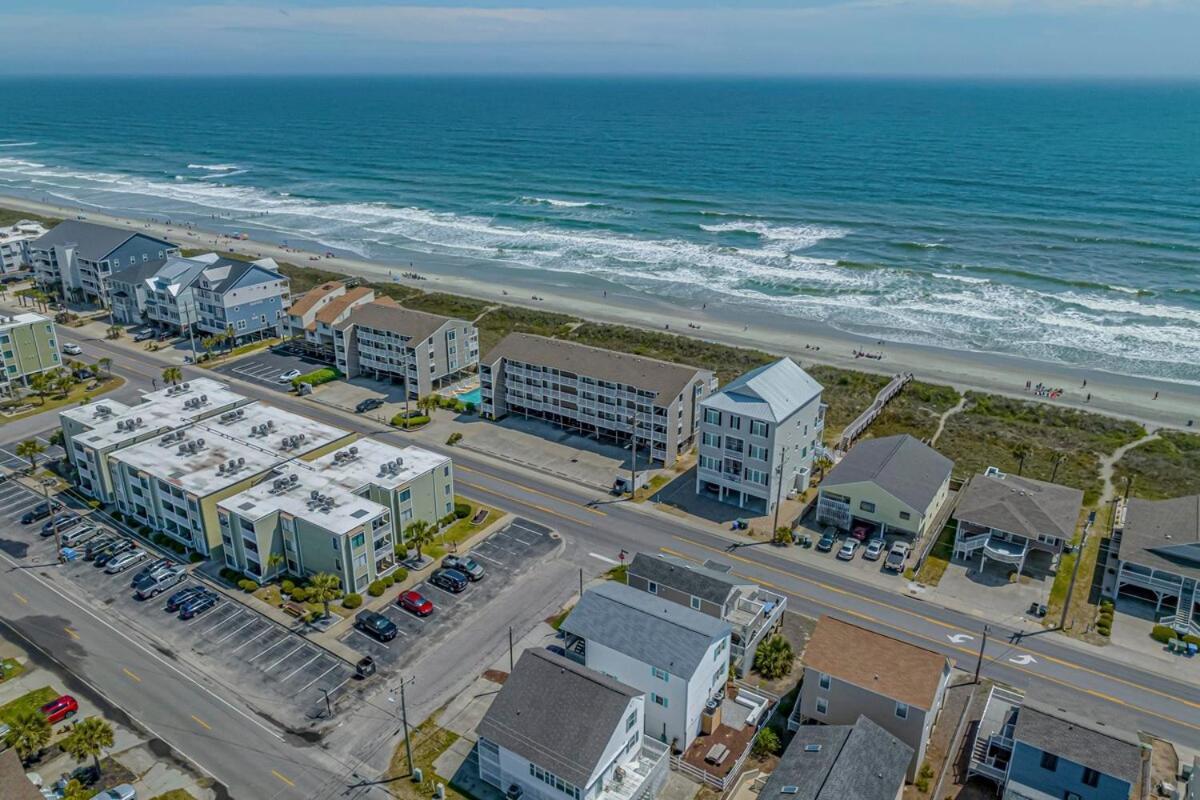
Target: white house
[
  {"x": 677, "y": 656},
  {"x": 757, "y": 430},
  {"x": 560, "y": 731}
]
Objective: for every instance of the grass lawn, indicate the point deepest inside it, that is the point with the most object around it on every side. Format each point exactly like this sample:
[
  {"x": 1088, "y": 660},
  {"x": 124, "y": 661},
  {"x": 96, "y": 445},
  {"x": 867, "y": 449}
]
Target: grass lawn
[
  {"x": 1165, "y": 467},
  {"x": 993, "y": 431},
  {"x": 463, "y": 529},
  {"x": 9, "y": 669},
  {"x": 619, "y": 573},
  {"x": 174, "y": 794},
  {"x": 934, "y": 565},
  {"x": 30, "y": 701},
  {"x": 1082, "y": 611},
  {"x": 77, "y": 396},
  {"x": 557, "y": 620},
  {"x": 655, "y": 483},
  {"x": 428, "y": 742},
  {"x": 10, "y": 216}
]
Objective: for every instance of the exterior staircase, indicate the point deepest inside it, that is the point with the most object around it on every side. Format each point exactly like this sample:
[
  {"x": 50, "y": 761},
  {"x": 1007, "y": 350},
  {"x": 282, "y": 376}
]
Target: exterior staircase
[{"x": 1184, "y": 620}]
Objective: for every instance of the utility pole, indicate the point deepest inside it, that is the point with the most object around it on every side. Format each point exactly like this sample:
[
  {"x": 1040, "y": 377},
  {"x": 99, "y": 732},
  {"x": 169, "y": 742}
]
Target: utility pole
[
  {"x": 510, "y": 649},
  {"x": 404, "y": 719},
  {"x": 779, "y": 490},
  {"x": 1062, "y": 622},
  {"x": 46, "y": 484},
  {"x": 581, "y": 581},
  {"x": 982, "y": 645},
  {"x": 632, "y": 456}
]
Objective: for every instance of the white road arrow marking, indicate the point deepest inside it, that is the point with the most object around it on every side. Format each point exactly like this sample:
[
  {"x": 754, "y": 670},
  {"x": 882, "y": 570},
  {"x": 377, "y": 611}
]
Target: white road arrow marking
[
  {"x": 1023, "y": 659},
  {"x": 959, "y": 638},
  {"x": 605, "y": 559}
]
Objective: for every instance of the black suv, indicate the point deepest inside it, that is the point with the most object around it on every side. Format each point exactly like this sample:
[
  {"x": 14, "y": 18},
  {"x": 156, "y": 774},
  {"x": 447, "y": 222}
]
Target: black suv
[
  {"x": 449, "y": 579},
  {"x": 376, "y": 625},
  {"x": 370, "y": 404},
  {"x": 40, "y": 511}
]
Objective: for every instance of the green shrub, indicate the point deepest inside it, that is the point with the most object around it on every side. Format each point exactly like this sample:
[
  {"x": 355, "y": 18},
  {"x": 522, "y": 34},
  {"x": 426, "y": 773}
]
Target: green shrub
[
  {"x": 229, "y": 575},
  {"x": 1165, "y": 633},
  {"x": 287, "y": 586},
  {"x": 352, "y": 600},
  {"x": 399, "y": 575},
  {"x": 924, "y": 776},
  {"x": 388, "y": 581},
  {"x": 1104, "y": 630},
  {"x": 195, "y": 558},
  {"x": 1106, "y": 605},
  {"x": 247, "y": 585},
  {"x": 375, "y": 588},
  {"x": 317, "y": 377},
  {"x": 400, "y": 550},
  {"x": 118, "y": 516},
  {"x": 454, "y": 438},
  {"x": 299, "y": 594},
  {"x": 312, "y": 617},
  {"x": 469, "y": 408},
  {"x": 412, "y": 422},
  {"x": 766, "y": 743},
  {"x": 447, "y": 520},
  {"x": 144, "y": 530},
  {"x": 462, "y": 510}
]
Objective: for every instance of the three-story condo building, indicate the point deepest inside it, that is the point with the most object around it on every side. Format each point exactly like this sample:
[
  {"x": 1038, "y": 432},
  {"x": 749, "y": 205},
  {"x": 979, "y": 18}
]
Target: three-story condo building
[{"x": 28, "y": 346}]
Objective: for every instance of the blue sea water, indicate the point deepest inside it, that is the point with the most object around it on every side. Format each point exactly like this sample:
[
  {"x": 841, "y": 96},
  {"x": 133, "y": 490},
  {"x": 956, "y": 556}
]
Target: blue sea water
[{"x": 1056, "y": 220}]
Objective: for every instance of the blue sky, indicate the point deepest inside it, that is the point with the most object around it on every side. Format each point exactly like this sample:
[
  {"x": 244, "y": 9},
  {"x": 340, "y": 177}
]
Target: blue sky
[{"x": 1013, "y": 38}]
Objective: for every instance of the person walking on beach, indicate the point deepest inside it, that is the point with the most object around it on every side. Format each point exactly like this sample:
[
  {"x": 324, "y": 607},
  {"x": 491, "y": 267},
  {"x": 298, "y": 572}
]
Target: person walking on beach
[{"x": 1156, "y": 395}]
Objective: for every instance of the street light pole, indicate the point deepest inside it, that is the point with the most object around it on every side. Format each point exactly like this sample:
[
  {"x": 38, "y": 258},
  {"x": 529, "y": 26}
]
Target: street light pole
[
  {"x": 982, "y": 645},
  {"x": 779, "y": 490}
]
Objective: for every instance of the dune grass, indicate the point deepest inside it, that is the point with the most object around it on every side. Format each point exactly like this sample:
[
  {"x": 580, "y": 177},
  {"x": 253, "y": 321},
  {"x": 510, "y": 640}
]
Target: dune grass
[{"x": 1168, "y": 466}]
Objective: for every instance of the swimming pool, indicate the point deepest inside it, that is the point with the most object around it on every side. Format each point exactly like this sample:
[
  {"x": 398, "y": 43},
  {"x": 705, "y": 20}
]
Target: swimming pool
[{"x": 472, "y": 396}]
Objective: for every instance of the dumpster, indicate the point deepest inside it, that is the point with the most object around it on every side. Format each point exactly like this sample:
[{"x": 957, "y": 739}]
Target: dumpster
[{"x": 365, "y": 667}]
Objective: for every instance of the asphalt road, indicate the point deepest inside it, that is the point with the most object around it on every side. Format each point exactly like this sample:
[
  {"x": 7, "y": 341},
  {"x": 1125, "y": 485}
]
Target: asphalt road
[{"x": 595, "y": 530}]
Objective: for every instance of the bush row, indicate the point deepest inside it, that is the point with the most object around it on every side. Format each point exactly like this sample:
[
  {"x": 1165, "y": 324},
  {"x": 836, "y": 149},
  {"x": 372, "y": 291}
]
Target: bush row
[
  {"x": 1165, "y": 633},
  {"x": 317, "y": 377}
]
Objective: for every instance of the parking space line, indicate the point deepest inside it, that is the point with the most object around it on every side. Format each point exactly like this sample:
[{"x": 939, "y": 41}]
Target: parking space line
[
  {"x": 249, "y": 622},
  {"x": 334, "y": 690},
  {"x": 202, "y": 617},
  {"x": 236, "y": 613},
  {"x": 284, "y": 658},
  {"x": 476, "y": 554},
  {"x": 322, "y": 675},
  {"x": 269, "y": 649},
  {"x": 537, "y": 533},
  {"x": 287, "y": 677},
  {"x": 250, "y": 641},
  {"x": 368, "y": 638}
]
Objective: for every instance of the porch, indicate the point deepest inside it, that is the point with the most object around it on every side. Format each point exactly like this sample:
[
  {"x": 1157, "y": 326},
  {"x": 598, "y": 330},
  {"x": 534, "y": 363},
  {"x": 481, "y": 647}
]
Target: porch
[
  {"x": 1002, "y": 547},
  {"x": 728, "y": 728},
  {"x": 992, "y": 748}
]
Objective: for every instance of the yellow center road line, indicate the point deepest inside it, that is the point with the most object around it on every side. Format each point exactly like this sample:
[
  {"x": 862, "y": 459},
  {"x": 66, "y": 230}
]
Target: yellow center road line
[
  {"x": 526, "y": 503},
  {"x": 281, "y": 777},
  {"x": 208, "y": 727},
  {"x": 950, "y": 626},
  {"x": 72, "y": 634},
  {"x": 21, "y": 597},
  {"x": 131, "y": 675},
  {"x": 531, "y": 490}
]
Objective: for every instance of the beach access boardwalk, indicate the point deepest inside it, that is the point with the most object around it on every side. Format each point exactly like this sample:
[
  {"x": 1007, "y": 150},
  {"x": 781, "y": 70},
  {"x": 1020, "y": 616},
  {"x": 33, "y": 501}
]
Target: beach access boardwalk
[{"x": 855, "y": 429}]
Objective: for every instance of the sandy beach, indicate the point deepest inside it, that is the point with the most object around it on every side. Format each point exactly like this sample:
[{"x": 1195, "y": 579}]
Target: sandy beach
[{"x": 1156, "y": 402}]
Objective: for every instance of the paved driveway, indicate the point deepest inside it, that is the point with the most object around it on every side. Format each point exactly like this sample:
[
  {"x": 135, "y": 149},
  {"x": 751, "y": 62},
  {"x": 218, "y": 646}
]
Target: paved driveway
[{"x": 265, "y": 367}]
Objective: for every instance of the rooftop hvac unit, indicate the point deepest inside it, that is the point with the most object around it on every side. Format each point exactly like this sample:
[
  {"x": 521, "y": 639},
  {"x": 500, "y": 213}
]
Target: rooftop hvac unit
[
  {"x": 293, "y": 478},
  {"x": 203, "y": 398},
  {"x": 103, "y": 410},
  {"x": 182, "y": 449},
  {"x": 314, "y": 494},
  {"x": 241, "y": 462},
  {"x": 300, "y": 437},
  {"x": 353, "y": 450},
  {"x": 221, "y": 468},
  {"x": 185, "y": 387},
  {"x": 270, "y": 424},
  {"x": 199, "y": 442},
  {"x": 139, "y": 420},
  {"x": 278, "y": 484}
]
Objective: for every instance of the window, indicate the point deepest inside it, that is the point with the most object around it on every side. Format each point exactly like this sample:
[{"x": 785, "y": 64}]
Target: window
[
  {"x": 652, "y": 587},
  {"x": 823, "y": 681},
  {"x": 758, "y": 452},
  {"x": 712, "y": 416},
  {"x": 720, "y": 649},
  {"x": 661, "y": 674},
  {"x": 735, "y": 422},
  {"x": 405, "y": 496},
  {"x": 902, "y": 710},
  {"x": 710, "y": 439},
  {"x": 733, "y": 444},
  {"x": 631, "y": 721},
  {"x": 758, "y": 428},
  {"x": 905, "y": 515},
  {"x": 336, "y": 544},
  {"x": 695, "y": 602},
  {"x": 865, "y": 506},
  {"x": 1049, "y": 762},
  {"x": 1090, "y": 777},
  {"x": 658, "y": 700},
  {"x": 822, "y": 705},
  {"x": 359, "y": 540}
]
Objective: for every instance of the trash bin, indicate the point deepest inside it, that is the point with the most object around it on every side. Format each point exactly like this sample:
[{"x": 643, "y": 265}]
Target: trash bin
[{"x": 365, "y": 667}]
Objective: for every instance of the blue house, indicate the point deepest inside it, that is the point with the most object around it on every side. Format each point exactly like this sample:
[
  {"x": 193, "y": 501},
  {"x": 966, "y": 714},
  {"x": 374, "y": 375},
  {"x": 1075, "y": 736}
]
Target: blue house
[
  {"x": 1035, "y": 751},
  {"x": 247, "y": 297}
]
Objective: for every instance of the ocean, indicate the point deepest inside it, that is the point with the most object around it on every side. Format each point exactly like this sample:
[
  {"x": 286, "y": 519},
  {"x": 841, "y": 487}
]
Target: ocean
[{"x": 1058, "y": 221}]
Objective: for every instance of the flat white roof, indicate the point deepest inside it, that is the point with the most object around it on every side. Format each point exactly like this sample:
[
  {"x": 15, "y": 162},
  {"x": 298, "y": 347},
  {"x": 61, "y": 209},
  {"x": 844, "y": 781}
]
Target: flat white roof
[
  {"x": 15, "y": 320},
  {"x": 367, "y": 462},
  {"x": 203, "y": 471},
  {"x": 343, "y": 514},
  {"x": 96, "y": 412},
  {"x": 166, "y": 409},
  {"x": 285, "y": 433}
]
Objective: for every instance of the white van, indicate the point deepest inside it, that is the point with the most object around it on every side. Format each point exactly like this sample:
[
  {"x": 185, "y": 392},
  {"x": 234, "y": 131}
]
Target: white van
[{"x": 79, "y": 535}]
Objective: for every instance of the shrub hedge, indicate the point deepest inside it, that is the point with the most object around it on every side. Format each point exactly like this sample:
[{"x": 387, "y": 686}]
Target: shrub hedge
[
  {"x": 462, "y": 510},
  {"x": 412, "y": 422},
  {"x": 375, "y": 588},
  {"x": 352, "y": 600},
  {"x": 317, "y": 377},
  {"x": 247, "y": 585},
  {"x": 299, "y": 594},
  {"x": 1165, "y": 633}
]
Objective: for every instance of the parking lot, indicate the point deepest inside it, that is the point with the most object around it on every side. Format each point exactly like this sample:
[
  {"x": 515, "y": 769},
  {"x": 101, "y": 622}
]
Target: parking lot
[
  {"x": 505, "y": 556},
  {"x": 265, "y": 367},
  {"x": 278, "y": 671},
  {"x": 10, "y": 459}
]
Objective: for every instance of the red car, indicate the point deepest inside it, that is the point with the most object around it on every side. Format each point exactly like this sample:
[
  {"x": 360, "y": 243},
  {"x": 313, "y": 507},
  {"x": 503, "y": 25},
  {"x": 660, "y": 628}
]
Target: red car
[
  {"x": 860, "y": 532},
  {"x": 415, "y": 602},
  {"x": 60, "y": 709}
]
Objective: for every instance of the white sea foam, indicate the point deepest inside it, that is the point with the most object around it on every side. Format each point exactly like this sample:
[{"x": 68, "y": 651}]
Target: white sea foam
[
  {"x": 217, "y": 176},
  {"x": 795, "y": 236},
  {"x": 960, "y": 278},
  {"x": 17, "y": 144},
  {"x": 214, "y": 167},
  {"x": 550, "y": 201}
]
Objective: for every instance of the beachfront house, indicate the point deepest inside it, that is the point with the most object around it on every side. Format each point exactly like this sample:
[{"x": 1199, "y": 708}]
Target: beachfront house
[
  {"x": 244, "y": 298},
  {"x": 14, "y": 245},
  {"x": 28, "y": 346},
  {"x": 850, "y": 671},
  {"x": 1155, "y": 555},
  {"x": 1034, "y": 750},
  {"x": 1011, "y": 520},
  {"x": 678, "y": 656},
  {"x": 753, "y": 613},
  {"x": 560, "y": 731},
  {"x": 612, "y": 396},
  {"x": 759, "y": 435},
  {"x": 421, "y": 351},
  {"x": 76, "y": 258},
  {"x": 839, "y": 762},
  {"x": 893, "y": 485},
  {"x": 310, "y": 322}
]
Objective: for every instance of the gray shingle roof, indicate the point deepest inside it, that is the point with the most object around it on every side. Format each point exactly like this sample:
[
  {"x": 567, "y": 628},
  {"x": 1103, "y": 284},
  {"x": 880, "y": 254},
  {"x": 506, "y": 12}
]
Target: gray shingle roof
[
  {"x": 1055, "y": 730},
  {"x": 839, "y": 762},
  {"x": 1020, "y": 505},
  {"x": 901, "y": 465},
  {"x": 676, "y": 573},
  {"x": 1154, "y": 528},
  {"x": 557, "y": 714},
  {"x": 665, "y": 379},
  {"x": 139, "y": 272},
  {"x": 771, "y": 392},
  {"x": 417, "y": 325},
  {"x": 91, "y": 241},
  {"x": 646, "y": 627}
]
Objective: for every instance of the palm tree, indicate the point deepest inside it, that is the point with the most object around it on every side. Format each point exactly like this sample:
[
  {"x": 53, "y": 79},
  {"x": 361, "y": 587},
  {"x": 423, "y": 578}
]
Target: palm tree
[
  {"x": 324, "y": 588},
  {"x": 89, "y": 738},
  {"x": 418, "y": 533},
  {"x": 773, "y": 658},
  {"x": 31, "y": 449},
  {"x": 63, "y": 381},
  {"x": 230, "y": 337},
  {"x": 28, "y": 733},
  {"x": 41, "y": 384},
  {"x": 105, "y": 366},
  {"x": 114, "y": 331},
  {"x": 1020, "y": 453},
  {"x": 172, "y": 374},
  {"x": 273, "y": 561},
  {"x": 209, "y": 343}
]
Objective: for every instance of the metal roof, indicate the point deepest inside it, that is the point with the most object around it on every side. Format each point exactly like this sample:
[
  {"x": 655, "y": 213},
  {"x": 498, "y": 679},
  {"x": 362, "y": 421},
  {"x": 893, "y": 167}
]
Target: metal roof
[
  {"x": 1020, "y": 505},
  {"x": 771, "y": 392},
  {"x": 838, "y": 762},
  {"x": 901, "y": 465}
]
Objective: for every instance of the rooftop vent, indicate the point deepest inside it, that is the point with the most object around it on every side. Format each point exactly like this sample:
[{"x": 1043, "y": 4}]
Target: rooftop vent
[{"x": 812, "y": 748}]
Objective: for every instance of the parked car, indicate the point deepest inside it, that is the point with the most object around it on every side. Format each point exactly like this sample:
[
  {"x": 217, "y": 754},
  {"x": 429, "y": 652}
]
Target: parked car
[
  {"x": 849, "y": 548},
  {"x": 57, "y": 710},
  {"x": 79, "y": 534},
  {"x": 63, "y": 520},
  {"x": 289, "y": 376},
  {"x": 370, "y": 404},
  {"x": 143, "y": 335},
  {"x": 376, "y": 625},
  {"x": 125, "y": 560},
  {"x": 112, "y": 551},
  {"x": 182, "y": 596},
  {"x": 860, "y": 531},
  {"x": 449, "y": 579},
  {"x": 897, "y": 556},
  {"x": 99, "y": 544},
  {"x": 198, "y": 604},
  {"x": 416, "y": 603},
  {"x": 827, "y": 541},
  {"x": 875, "y": 549},
  {"x": 40, "y": 511},
  {"x": 149, "y": 585},
  {"x": 83, "y": 374},
  {"x": 152, "y": 569},
  {"x": 464, "y": 564},
  {"x": 71, "y": 349},
  {"x": 123, "y": 792}
]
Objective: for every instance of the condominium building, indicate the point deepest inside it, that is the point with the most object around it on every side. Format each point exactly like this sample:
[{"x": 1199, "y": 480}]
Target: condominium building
[
  {"x": 602, "y": 393},
  {"x": 759, "y": 435},
  {"x": 14, "y": 245},
  {"x": 311, "y": 321},
  {"x": 423, "y": 351},
  {"x": 158, "y": 291},
  {"x": 76, "y": 258},
  {"x": 245, "y": 297},
  {"x": 28, "y": 346}
]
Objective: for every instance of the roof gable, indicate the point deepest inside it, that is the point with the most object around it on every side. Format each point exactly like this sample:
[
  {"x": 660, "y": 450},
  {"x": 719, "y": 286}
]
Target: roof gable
[
  {"x": 1020, "y": 505},
  {"x": 773, "y": 391},
  {"x": 901, "y": 465},
  {"x": 1055, "y": 730}
]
